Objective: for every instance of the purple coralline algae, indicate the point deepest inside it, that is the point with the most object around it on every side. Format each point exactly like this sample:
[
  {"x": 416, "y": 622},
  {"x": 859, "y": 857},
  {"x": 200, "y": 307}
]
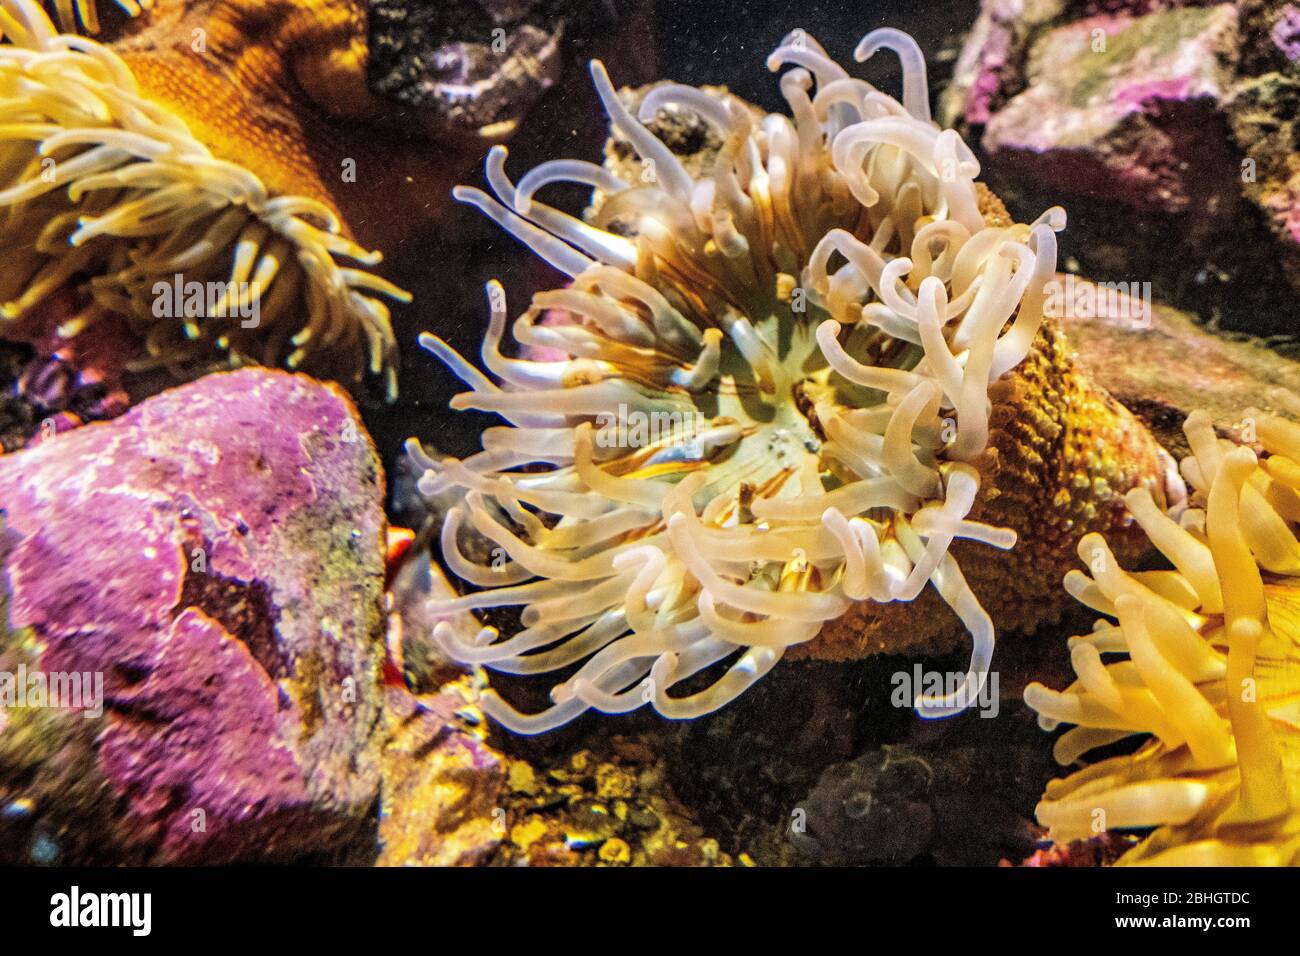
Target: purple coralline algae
[
  {"x": 1169, "y": 130},
  {"x": 215, "y": 556},
  {"x": 1286, "y": 32},
  {"x": 1104, "y": 102}
]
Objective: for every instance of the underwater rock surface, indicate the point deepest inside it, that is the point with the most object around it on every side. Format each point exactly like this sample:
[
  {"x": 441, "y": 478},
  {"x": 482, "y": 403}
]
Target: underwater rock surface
[
  {"x": 1119, "y": 104},
  {"x": 1168, "y": 133},
  {"x": 477, "y": 66},
  {"x": 441, "y": 784},
  {"x": 1224, "y": 375},
  {"x": 216, "y": 557}
]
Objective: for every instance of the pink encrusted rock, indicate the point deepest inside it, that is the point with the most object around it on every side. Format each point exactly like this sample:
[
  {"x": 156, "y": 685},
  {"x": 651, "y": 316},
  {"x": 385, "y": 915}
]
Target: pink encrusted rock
[
  {"x": 1119, "y": 105},
  {"x": 216, "y": 554},
  {"x": 1158, "y": 124},
  {"x": 986, "y": 71},
  {"x": 1286, "y": 32}
]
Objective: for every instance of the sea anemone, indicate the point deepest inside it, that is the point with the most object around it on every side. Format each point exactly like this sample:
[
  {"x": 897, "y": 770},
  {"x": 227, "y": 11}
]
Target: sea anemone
[
  {"x": 780, "y": 387},
  {"x": 1203, "y": 658},
  {"x": 84, "y": 14},
  {"x": 102, "y": 185}
]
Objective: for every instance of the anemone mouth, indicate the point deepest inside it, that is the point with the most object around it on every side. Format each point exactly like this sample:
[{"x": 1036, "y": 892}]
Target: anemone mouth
[
  {"x": 1208, "y": 666},
  {"x": 812, "y": 323},
  {"x": 100, "y": 185}
]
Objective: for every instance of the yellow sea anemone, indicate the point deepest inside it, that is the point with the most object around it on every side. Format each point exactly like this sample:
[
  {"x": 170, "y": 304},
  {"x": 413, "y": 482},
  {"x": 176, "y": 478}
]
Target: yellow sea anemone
[
  {"x": 1203, "y": 658},
  {"x": 769, "y": 399},
  {"x": 104, "y": 187},
  {"x": 71, "y": 14}
]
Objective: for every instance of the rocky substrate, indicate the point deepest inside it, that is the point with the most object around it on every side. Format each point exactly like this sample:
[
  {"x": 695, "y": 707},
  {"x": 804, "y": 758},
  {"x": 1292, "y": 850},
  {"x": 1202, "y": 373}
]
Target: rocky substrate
[
  {"x": 210, "y": 565},
  {"x": 1166, "y": 127}
]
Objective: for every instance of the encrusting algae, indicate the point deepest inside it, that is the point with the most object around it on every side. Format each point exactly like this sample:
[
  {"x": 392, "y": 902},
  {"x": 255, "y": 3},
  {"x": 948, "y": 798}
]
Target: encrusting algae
[
  {"x": 109, "y": 184},
  {"x": 1202, "y": 658},
  {"x": 782, "y": 394}
]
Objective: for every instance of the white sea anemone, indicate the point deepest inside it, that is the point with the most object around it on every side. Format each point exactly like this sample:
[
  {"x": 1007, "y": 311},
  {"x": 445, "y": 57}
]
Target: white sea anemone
[
  {"x": 769, "y": 399},
  {"x": 1203, "y": 658}
]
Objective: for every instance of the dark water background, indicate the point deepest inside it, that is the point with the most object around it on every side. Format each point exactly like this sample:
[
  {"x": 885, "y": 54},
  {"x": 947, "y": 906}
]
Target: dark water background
[{"x": 728, "y": 42}]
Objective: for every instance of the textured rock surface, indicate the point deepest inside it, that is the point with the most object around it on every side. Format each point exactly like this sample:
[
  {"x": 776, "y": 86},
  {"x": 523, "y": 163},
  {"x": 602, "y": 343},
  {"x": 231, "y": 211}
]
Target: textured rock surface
[
  {"x": 216, "y": 555},
  {"x": 1263, "y": 112},
  {"x": 1169, "y": 366},
  {"x": 1167, "y": 130},
  {"x": 441, "y": 786},
  {"x": 1119, "y": 104},
  {"x": 606, "y": 799},
  {"x": 51, "y": 380},
  {"x": 987, "y": 70},
  {"x": 477, "y": 66},
  {"x": 458, "y": 792},
  {"x": 948, "y": 802}
]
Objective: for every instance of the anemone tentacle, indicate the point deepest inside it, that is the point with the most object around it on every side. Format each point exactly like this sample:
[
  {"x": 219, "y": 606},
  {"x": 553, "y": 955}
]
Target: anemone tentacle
[
  {"x": 763, "y": 402},
  {"x": 83, "y": 15},
  {"x": 100, "y": 183},
  {"x": 1205, "y": 658}
]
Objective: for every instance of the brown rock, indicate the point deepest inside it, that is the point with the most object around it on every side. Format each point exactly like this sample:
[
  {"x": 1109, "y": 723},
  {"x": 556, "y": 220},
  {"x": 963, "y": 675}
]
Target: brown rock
[{"x": 441, "y": 784}]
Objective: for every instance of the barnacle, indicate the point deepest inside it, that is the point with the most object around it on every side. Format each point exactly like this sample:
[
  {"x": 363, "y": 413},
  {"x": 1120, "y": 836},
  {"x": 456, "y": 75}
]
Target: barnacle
[
  {"x": 781, "y": 391},
  {"x": 101, "y": 183},
  {"x": 1203, "y": 658}
]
